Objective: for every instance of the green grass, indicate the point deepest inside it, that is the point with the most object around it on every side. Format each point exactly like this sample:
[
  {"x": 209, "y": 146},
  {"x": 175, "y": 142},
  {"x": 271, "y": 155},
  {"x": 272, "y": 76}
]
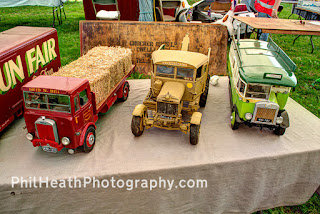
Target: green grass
[
  {"x": 311, "y": 207},
  {"x": 68, "y": 34},
  {"x": 308, "y": 65}
]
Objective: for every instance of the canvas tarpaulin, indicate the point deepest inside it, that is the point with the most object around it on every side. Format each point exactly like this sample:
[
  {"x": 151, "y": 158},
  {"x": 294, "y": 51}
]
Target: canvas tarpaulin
[
  {"x": 246, "y": 170},
  {"x": 17, "y": 3}
]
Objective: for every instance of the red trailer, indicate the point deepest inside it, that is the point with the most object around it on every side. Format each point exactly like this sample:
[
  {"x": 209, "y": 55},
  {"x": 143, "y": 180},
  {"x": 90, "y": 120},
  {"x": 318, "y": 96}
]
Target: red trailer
[
  {"x": 60, "y": 112},
  {"x": 25, "y": 52}
]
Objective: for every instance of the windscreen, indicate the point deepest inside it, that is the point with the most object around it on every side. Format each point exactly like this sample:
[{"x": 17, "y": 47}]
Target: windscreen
[
  {"x": 165, "y": 71},
  {"x": 51, "y": 102},
  {"x": 185, "y": 73},
  {"x": 258, "y": 91}
]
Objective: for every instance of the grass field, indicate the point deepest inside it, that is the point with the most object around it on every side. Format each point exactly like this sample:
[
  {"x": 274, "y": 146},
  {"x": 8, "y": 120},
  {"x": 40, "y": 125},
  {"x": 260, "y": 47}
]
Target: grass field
[{"x": 68, "y": 34}]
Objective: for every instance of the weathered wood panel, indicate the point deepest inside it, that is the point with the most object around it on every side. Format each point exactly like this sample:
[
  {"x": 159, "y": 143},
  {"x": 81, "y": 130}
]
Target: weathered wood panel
[{"x": 145, "y": 37}]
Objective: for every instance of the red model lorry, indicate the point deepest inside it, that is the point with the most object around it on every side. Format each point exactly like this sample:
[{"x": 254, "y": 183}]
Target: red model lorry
[
  {"x": 60, "y": 112},
  {"x": 25, "y": 52}
]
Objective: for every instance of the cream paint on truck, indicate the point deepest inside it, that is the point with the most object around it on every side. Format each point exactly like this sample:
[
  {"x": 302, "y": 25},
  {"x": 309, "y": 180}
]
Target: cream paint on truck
[{"x": 11, "y": 72}]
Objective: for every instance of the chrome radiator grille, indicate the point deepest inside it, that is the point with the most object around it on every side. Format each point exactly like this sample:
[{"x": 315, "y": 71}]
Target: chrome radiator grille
[
  {"x": 265, "y": 113},
  {"x": 47, "y": 129}
]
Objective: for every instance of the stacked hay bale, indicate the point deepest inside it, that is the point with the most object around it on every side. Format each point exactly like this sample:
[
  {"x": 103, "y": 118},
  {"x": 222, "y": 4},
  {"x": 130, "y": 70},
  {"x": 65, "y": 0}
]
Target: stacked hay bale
[{"x": 103, "y": 66}]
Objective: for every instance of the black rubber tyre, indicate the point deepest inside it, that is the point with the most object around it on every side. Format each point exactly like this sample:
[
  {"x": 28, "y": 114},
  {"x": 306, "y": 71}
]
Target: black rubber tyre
[
  {"x": 234, "y": 123},
  {"x": 204, "y": 95},
  {"x": 136, "y": 126},
  {"x": 89, "y": 140},
  {"x": 279, "y": 130},
  {"x": 194, "y": 134},
  {"x": 125, "y": 92},
  {"x": 230, "y": 94}
]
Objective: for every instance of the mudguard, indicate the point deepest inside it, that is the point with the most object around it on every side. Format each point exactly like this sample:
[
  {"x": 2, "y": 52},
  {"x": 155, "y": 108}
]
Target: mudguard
[
  {"x": 285, "y": 116},
  {"x": 139, "y": 110},
  {"x": 83, "y": 133},
  {"x": 196, "y": 118}
]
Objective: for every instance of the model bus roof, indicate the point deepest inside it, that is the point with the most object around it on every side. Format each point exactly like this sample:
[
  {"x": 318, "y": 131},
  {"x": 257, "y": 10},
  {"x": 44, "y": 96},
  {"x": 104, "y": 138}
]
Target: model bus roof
[
  {"x": 66, "y": 85},
  {"x": 265, "y": 63},
  {"x": 186, "y": 57}
]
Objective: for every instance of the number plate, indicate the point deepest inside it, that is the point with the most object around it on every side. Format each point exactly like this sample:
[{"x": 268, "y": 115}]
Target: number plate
[
  {"x": 49, "y": 149},
  {"x": 264, "y": 120}
]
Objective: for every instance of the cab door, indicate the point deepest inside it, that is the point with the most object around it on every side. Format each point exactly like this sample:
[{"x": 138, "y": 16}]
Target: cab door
[
  {"x": 86, "y": 106},
  {"x": 200, "y": 79},
  {"x": 78, "y": 115},
  {"x": 83, "y": 109}
]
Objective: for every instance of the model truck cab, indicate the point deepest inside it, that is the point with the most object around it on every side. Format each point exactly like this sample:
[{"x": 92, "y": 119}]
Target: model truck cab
[
  {"x": 179, "y": 87},
  {"x": 261, "y": 77},
  {"x": 59, "y": 112}
]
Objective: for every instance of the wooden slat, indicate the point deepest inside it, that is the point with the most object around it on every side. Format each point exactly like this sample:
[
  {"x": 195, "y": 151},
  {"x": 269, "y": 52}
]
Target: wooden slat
[
  {"x": 281, "y": 26},
  {"x": 145, "y": 37}
]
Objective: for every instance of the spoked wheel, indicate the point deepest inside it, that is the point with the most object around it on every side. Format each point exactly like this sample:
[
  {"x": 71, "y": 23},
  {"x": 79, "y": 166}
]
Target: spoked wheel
[
  {"x": 137, "y": 126},
  {"x": 279, "y": 130},
  {"x": 234, "y": 123},
  {"x": 194, "y": 134},
  {"x": 89, "y": 140},
  {"x": 204, "y": 95},
  {"x": 125, "y": 92}
]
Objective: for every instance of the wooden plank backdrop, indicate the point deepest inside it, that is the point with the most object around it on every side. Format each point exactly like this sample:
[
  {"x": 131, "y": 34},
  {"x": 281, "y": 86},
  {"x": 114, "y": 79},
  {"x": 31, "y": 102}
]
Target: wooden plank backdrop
[{"x": 145, "y": 37}]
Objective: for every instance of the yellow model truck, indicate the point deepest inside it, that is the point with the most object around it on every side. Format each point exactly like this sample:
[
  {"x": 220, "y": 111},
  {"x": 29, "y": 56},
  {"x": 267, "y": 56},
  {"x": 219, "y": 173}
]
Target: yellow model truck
[{"x": 179, "y": 87}]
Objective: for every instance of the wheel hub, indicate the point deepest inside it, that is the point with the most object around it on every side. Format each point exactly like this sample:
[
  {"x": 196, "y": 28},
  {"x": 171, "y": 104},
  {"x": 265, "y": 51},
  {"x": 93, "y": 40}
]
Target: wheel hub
[{"x": 90, "y": 139}]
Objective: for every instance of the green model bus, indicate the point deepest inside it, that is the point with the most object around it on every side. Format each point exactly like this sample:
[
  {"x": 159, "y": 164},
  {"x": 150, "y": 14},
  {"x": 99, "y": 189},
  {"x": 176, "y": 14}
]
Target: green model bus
[{"x": 261, "y": 77}]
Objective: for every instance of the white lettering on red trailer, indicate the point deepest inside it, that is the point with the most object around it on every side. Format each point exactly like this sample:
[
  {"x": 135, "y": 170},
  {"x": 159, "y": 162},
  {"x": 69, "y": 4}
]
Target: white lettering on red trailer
[{"x": 12, "y": 71}]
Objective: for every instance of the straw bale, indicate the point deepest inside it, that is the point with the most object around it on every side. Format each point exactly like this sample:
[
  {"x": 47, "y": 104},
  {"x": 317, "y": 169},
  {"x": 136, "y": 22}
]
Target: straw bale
[{"x": 103, "y": 66}]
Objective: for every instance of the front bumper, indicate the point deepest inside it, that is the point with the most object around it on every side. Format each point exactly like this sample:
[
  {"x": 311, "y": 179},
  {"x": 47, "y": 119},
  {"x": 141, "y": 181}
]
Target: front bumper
[{"x": 40, "y": 142}]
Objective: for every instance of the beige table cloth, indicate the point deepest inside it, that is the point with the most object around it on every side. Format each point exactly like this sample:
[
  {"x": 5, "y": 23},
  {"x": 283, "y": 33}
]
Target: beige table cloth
[{"x": 246, "y": 170}]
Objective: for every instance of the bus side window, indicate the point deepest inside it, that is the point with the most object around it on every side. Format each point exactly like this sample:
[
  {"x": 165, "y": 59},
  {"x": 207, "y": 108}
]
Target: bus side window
[
  {"x": 76, "y": 103},
  {"x": 241, "y": 86}
]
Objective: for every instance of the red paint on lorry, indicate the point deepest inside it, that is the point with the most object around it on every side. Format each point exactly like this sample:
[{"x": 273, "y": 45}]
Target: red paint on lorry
[
  {"x": 65, "y": 108},
  {"x": 25, "y": 52}
]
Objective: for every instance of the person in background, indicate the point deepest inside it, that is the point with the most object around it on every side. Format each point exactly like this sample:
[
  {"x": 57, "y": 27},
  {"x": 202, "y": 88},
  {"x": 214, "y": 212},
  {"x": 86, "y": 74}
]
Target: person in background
[
  {"x": 266, "y": 9},
  {"x": 250, "y": 5}
]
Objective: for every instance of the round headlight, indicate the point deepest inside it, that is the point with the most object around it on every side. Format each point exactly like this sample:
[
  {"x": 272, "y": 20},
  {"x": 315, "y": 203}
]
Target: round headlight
[
  {"x": 279, "y": 120},
  {"x": 248, "y": 116},
  {"x": 65, "y": 141},
  {"x": 29, "y": 136}
]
